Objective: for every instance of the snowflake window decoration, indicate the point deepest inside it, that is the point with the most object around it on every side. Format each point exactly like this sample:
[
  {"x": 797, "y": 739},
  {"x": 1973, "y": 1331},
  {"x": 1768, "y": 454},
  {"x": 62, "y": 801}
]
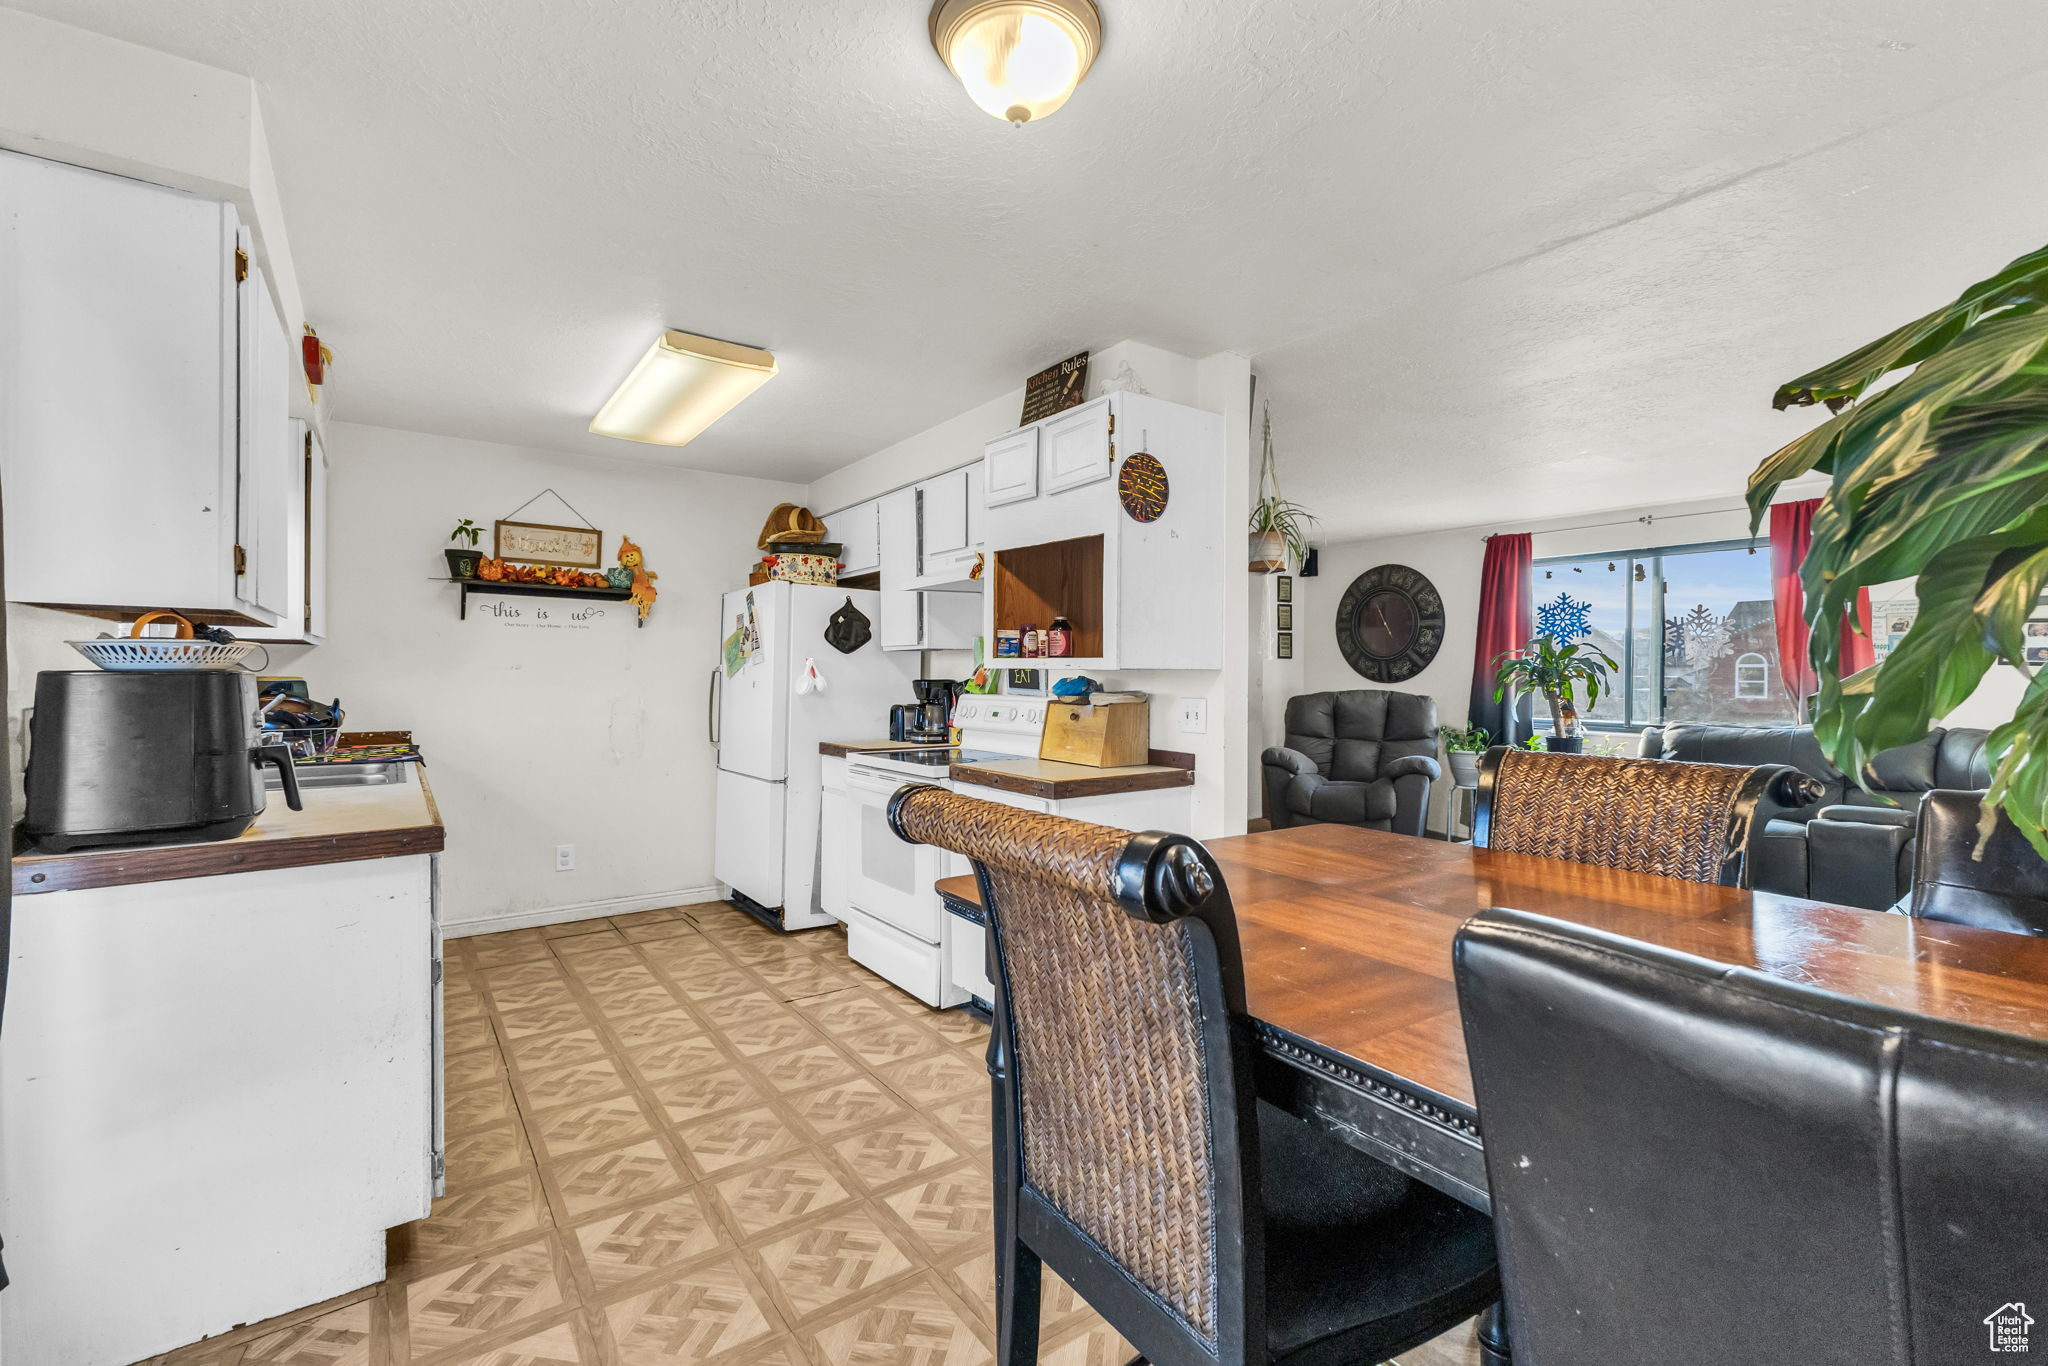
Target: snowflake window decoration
[{"x": 1564, "y": 619}]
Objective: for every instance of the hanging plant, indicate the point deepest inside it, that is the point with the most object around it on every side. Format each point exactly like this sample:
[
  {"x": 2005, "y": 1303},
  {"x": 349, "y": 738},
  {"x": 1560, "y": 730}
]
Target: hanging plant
[
  {"x": 1279, "y": 528},
  {"x": 1941, "y": 478}
]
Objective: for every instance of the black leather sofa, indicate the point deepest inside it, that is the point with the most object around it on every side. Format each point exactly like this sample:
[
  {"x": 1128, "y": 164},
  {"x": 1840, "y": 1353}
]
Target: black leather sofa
[
  {"x": 1852, "y": 848},
  {"x": 1362, "y": 757}
]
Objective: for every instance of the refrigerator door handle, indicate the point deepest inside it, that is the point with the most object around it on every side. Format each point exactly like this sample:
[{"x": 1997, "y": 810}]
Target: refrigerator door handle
[{"x": 711, "y": 712}]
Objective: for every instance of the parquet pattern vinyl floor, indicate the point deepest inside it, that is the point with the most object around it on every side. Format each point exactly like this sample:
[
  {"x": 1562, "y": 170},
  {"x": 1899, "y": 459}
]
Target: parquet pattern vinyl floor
[{"x": 676, "y": 1137}]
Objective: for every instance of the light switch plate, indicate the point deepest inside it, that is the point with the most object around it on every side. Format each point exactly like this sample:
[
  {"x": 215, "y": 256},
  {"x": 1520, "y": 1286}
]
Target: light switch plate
[{"x": 1194, "y": 715}]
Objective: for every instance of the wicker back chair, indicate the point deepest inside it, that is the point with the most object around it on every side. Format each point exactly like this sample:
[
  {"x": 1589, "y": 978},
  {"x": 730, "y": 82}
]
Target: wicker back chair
[
  {"x": 1130, "y": 1151},
  {"x": 1698, "y": 822}
]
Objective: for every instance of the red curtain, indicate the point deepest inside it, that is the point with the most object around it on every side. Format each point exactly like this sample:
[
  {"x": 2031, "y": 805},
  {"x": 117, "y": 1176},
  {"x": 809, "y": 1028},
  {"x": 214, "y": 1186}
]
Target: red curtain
[
  {"x": 1504, "y": 625},
  {"x": 1791, "y": 537}
]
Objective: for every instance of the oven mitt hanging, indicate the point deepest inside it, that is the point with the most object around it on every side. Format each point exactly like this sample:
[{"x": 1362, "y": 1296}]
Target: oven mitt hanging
[{"x": 849, "y": 629}]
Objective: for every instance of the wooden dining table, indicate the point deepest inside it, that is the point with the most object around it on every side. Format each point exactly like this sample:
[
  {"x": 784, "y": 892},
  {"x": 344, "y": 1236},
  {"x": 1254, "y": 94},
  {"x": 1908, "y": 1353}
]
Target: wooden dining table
[{"x": 1347, "y": 937}]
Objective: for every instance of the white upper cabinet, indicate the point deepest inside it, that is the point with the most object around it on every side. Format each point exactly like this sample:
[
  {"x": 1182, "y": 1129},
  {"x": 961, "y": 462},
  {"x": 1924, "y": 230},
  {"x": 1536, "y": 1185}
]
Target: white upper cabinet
[
  {"x": 128, "y": 483},
  {"x": 859, "y": 533},
  {"x": 271, "y": 515},
  {"x": 1139, "y": 595},
  {"x": 948, "y": 529},
  {"x": 1010, "y": 468},
  {"x": 1077, "y": 446},
  {"x": 305, "y": 544},
  {"x": 314, "y": 455},
  {"x": 942, "y": 514}
]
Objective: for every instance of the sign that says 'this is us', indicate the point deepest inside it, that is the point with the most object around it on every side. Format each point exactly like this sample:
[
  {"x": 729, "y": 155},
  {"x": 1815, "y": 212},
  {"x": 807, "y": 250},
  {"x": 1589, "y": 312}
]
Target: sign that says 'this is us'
[{"x": 529, "y": 615}]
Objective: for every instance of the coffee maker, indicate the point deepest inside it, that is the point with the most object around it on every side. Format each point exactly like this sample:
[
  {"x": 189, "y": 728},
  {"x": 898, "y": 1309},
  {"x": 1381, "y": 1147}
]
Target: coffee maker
[{"x": 929, "y": 720}]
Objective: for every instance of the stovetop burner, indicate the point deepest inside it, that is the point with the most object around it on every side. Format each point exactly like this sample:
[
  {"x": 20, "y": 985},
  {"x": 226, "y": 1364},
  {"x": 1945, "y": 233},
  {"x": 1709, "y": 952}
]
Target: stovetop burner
[
  {"x": 936, "y": 758},
  {"x": 924, "y": 758}
]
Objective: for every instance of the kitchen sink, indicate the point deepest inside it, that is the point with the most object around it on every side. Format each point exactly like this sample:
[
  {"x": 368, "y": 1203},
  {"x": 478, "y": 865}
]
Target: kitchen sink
[{"x": 342, "y": 775}]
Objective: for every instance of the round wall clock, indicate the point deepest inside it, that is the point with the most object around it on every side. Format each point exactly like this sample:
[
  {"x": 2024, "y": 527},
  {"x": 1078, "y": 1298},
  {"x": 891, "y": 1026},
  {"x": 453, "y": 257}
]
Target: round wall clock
[
  {"x": 1141, "y": 487},
  {"x": 1390, "y": 623}
]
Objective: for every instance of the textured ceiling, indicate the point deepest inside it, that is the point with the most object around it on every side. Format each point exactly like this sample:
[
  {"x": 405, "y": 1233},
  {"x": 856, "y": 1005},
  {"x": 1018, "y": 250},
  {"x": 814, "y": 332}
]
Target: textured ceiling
[{"x": 1493, "y": 259}]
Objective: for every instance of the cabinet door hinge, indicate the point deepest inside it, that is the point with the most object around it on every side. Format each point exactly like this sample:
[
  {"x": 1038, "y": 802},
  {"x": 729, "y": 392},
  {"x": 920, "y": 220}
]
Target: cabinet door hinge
[
  {"x": 241, "y": 561},
  {"x": 440, "y": 1165},
  {"x": 241, "y": 265}
]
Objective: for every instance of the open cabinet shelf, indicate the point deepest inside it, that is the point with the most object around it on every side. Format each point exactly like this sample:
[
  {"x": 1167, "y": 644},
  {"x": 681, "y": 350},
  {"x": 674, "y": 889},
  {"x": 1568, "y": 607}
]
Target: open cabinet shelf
[{"x": 1035, "y": 583}]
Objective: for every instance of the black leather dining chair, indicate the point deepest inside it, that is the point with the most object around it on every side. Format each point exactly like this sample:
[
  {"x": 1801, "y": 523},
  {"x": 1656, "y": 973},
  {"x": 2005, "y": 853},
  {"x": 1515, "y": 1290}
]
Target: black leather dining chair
[
  {"x": 1698, "y": 1165},
  {"x": 1699, "y": 822},
  {"x": 1131, "y": 1155},
  {"x": 2005, "y": 889}
]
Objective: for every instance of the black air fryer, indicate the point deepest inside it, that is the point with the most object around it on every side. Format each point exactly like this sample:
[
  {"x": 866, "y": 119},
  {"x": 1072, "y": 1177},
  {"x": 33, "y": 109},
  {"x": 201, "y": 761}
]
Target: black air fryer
[{"x": 146, "y": 756}]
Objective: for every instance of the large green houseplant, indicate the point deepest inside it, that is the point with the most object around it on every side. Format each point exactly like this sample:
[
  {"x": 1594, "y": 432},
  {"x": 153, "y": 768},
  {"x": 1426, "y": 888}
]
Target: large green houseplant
[
  {"x": 1543, "y": 666},
  {"x": 1941, "y": 478}
]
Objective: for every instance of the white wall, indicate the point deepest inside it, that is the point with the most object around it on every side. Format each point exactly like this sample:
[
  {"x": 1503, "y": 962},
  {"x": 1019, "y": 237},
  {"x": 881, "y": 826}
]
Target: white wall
[
  {"x": 1218, "y": 384},
  {"x": 537, "y": 738}
]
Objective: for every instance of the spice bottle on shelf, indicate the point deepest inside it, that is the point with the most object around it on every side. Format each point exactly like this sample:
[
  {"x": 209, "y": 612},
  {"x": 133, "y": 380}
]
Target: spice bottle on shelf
[
  {"x": 1032, "y": 645},
  {"x": 1059, "y": 639}
]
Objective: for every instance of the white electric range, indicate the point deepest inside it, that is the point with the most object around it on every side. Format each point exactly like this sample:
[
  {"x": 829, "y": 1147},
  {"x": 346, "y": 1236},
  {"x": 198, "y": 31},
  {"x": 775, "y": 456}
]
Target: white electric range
[{"x": 896, "y": 926}]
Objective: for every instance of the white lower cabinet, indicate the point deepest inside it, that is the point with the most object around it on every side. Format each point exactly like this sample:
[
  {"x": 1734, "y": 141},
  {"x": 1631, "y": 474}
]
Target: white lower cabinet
[
  {"x": 216, "y": 1094},
  {"x": 836, "y": 814}
]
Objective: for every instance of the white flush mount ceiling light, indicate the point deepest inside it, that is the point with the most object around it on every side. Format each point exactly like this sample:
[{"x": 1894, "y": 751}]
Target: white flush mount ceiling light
[
  {"x": 681, "y": 386},
  {"x": 1019, "y": 59}
]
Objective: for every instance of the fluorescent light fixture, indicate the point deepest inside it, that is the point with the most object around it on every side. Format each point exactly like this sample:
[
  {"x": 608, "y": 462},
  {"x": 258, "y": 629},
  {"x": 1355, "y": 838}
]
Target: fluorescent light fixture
[
  {"x": 681, "y": 386},
  {"x": 1019, "y": 59}
]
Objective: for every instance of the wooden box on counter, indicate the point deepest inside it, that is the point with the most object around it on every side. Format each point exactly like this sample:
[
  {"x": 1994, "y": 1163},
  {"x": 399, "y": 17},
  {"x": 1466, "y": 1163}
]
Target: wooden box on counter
[{"x": 1105, "y": 735}]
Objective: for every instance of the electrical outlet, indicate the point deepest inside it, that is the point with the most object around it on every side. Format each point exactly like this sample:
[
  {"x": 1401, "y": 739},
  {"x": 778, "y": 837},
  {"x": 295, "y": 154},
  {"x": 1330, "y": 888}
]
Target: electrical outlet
[
  {"x": 1194, "y": 715},
  {"x": 565, "y": 858}
]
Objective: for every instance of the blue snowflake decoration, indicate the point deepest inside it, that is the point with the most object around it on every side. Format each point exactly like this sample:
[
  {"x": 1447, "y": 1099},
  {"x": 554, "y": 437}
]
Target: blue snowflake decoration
[{"x": 1564, "y": 619}]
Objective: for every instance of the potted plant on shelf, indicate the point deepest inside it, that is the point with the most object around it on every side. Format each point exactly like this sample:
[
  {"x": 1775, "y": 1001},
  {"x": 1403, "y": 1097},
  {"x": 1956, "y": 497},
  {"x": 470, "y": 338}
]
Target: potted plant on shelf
[
  {"x": 462, "y": 563},
  {"x": 1462, "y": 747},
  {"x": 1543, "y": 666},
  {"x": 1279, "y": 528}
]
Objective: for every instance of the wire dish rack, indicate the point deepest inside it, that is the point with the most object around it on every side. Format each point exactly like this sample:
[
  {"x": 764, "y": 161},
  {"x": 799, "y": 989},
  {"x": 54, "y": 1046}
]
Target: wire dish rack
[
  {"x": 162, "y": 654},
  {"x": 184, "y": 651}
]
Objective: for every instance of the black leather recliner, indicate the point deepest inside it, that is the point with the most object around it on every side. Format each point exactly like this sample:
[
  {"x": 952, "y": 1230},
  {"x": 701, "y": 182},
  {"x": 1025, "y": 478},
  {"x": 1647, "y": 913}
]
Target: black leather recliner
[
  {"x": 1363, "y": 757},
  {"x": 1851, "y": 848},
  {"x": 1694, "y": 1164},
  {"x": 2005, "y": 889}
]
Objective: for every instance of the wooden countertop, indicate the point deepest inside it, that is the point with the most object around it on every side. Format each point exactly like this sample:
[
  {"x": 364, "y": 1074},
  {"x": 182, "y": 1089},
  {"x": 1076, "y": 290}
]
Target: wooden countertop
[
  {"x": 1037, "y": 777},
  {"x": 1051, "y": 779},
  {"x": 339, "y": 825}
]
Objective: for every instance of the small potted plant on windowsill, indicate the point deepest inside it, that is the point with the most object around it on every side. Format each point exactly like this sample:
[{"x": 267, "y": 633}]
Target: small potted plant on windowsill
[
  {"x": 462, "y": 563},
  {"x": 1543, "y": 666},
  {"x": 1462, "y": 748}
]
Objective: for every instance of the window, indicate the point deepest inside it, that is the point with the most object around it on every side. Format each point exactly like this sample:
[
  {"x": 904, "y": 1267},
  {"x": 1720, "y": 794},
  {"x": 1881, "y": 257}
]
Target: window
[
  {"x": 1752, "y": 676},
  {"x": 1691, "y": 626}
]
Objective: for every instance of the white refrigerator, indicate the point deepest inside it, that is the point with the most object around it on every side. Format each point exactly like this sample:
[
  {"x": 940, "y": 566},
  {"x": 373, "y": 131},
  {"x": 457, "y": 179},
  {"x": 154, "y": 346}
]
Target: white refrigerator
[{"x": 767, "y": 733}]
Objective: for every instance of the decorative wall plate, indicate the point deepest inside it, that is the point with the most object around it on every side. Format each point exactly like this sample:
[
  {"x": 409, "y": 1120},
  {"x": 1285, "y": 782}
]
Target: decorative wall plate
[
  {"x": 1141, "y": 487},
  {"x": 1390, "y": 623}
]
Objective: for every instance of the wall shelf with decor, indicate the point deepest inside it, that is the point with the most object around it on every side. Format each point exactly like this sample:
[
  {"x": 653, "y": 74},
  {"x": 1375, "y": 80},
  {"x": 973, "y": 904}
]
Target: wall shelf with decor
[{"x": 535, "y": 590}]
